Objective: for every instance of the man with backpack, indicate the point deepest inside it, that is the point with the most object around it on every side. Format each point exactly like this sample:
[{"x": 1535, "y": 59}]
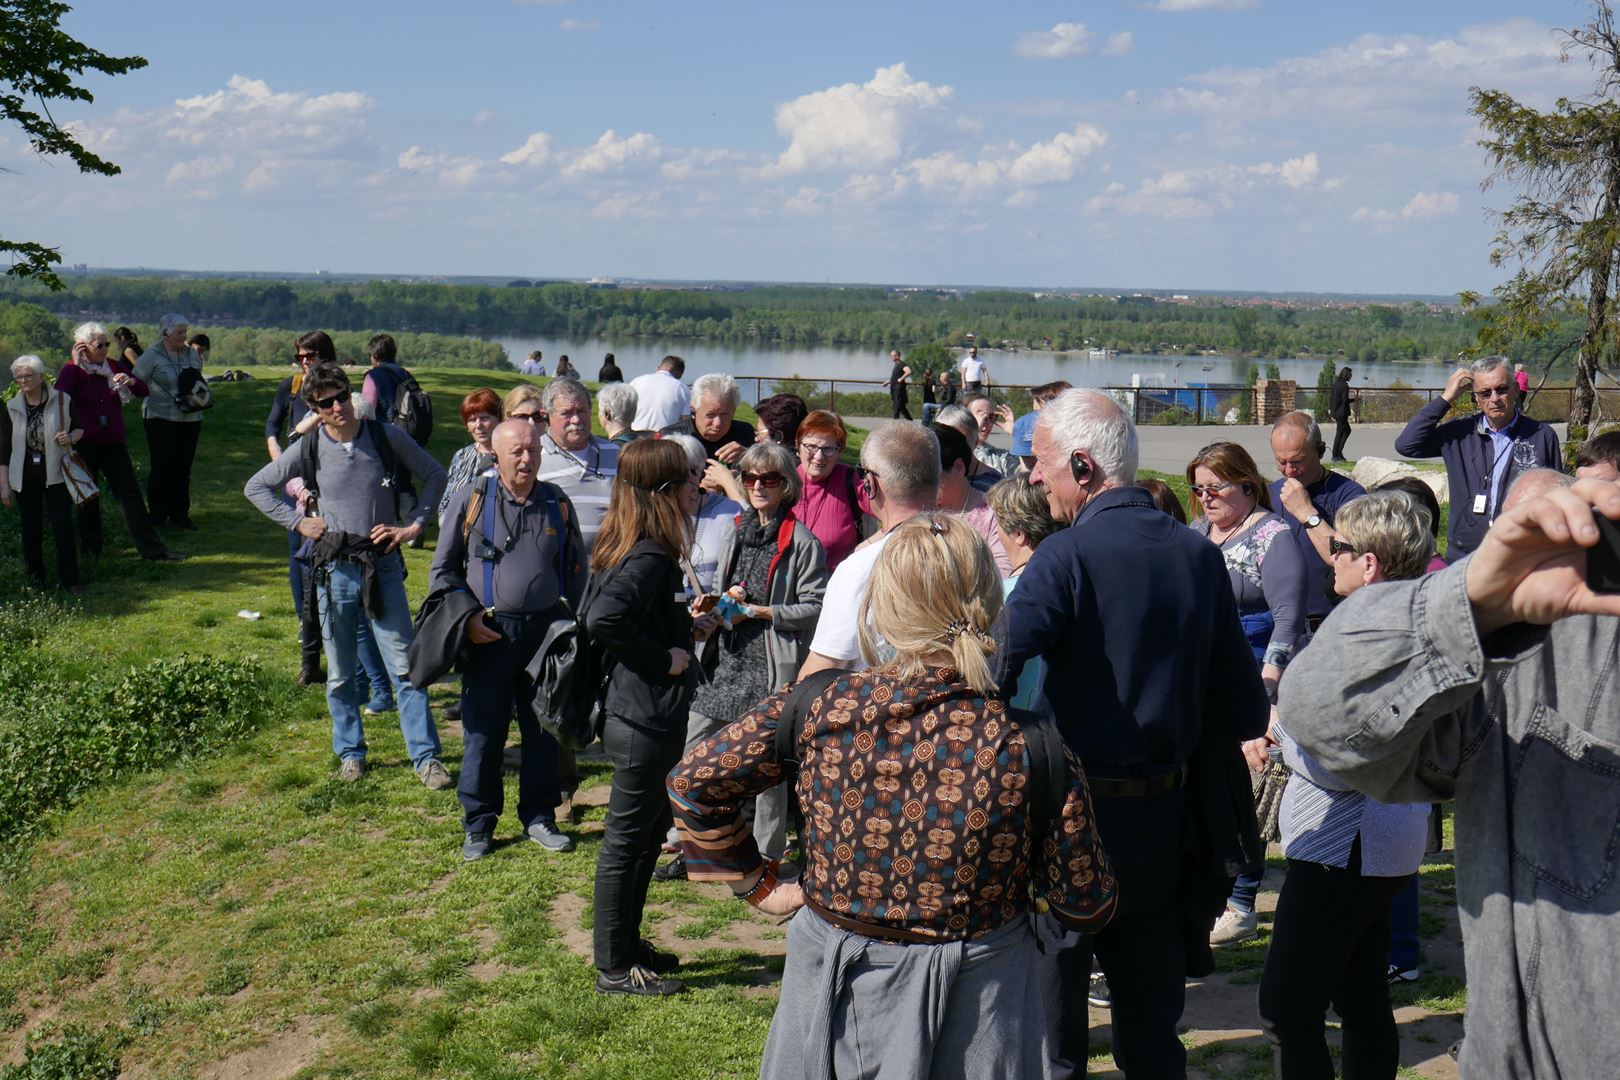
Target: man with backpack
[
  {"x": 348, "y": 467},
  {"x": 513, "y": 541},
  {"x": 398, "y": 399}
]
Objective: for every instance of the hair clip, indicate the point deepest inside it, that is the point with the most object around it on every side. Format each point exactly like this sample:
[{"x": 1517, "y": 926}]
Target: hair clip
[
  {"x": 935, "y": 525},
  {"x": 956, "y": 629}
]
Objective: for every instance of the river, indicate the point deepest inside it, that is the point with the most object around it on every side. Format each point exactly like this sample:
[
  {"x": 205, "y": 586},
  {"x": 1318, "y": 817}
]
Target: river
[{"x": 1025, "y": 367}]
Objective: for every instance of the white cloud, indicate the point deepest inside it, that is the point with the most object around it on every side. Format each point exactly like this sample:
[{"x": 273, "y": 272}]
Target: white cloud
[
  {"x": 947, "y": 173},
  {"x": 1179, "y": 194},
  {"x": 1058, "y": 159},
  {"x": 248, "y": 113},
  {"x": 1067, "y": 40},
  {"x": 577, "y": 26},
  {"x": 628, "y": 205},
  {"x": 858, "y": 126},
  {"x": 458, "y": 172},
  {"x": 1424, "y": 206},
  {"x": 536, "y": 150},
  {"x": 612, "y": 154},
  {"x": 1201, "y": 5}
]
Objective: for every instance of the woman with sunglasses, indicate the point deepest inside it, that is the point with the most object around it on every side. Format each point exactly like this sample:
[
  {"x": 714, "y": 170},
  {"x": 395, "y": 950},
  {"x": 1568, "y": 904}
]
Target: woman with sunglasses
[
  {"x": 1348, "y": 856},
  {"x": 636, "y": 612},
  {"x": 833, "y": 505},
  {"x": 914, "y": 953},
  {"x": 1233, "y": 510},
  {"x": 778, "y": 567}
]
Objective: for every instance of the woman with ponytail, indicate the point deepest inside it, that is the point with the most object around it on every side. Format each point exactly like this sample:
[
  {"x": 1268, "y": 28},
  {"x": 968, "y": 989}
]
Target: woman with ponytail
[{"x": 911, "y": 951}]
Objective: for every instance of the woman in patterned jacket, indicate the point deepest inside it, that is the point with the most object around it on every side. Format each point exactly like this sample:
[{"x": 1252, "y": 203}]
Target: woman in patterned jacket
[{"x": 913, "y": 951}]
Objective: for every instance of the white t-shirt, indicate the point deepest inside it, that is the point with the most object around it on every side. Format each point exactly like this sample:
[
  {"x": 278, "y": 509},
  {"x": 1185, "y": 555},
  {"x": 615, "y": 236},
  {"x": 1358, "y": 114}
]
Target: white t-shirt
[
  {"x": 972, "y": 370},
  {"x": 661, "y": 400},
  {"x": 838, "y": 634}
]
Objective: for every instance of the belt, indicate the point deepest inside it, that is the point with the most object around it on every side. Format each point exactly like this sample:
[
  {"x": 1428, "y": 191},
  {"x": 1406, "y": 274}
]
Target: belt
[
  {"x": 1135, "y": 789},
  {"x": 873, "y": 930}
]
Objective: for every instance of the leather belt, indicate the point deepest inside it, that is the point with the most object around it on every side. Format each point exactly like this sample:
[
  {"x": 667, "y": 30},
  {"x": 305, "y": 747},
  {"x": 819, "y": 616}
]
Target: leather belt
[
  {"x": 1135, "y": 789},
  {"x": 873, "y": 930}
]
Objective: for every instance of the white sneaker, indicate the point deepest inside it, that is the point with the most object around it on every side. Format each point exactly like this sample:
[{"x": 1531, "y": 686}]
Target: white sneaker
[{"x": 1234, "y": 926}]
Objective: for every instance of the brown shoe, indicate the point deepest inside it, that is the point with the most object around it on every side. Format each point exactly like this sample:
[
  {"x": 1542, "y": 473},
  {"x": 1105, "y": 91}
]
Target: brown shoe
[{"x": 435, "y": 777}]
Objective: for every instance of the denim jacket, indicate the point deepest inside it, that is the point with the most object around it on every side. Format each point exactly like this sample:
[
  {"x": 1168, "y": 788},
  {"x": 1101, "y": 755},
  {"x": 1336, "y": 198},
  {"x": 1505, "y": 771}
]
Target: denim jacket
[{"x": 1399, "y": 697}]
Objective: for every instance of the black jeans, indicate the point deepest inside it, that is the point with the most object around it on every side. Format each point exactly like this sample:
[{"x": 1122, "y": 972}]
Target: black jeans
[
  {"x": 37, "y": 501},
  {"x": 172, "y": 446},
  {"x": 110, "y": 463},
  {"x": 494, "y": 684},
  {"x": 1341, "y": 435},
  {"x": 1141, "y": 951},
  {"x": 1329, "y": 940},
  {"x": 638, "y": 816},
  {"x": 902, "y": 407}
]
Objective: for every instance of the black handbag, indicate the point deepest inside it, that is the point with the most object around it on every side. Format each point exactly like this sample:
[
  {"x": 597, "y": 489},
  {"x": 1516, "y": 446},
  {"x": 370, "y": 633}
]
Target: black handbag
[{"x": 570, "y": 679}]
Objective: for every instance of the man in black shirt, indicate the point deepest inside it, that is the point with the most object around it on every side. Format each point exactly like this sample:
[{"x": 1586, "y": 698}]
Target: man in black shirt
[{"x": 713, "y": 420}]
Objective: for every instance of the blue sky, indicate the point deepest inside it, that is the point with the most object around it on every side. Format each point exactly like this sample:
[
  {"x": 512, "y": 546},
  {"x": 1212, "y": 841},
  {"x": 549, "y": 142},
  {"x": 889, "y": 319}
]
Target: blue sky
[{"x": 1208, "y": 144}]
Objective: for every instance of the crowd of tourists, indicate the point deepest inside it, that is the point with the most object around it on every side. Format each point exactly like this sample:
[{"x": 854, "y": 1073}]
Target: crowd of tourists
[{"x": 991, "y": 725}]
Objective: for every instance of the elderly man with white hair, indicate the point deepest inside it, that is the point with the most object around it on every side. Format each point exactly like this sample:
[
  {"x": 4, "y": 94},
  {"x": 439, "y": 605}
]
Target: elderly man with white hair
[
  {"x": 168, "y": 369},
  {"x": 1157, "y": 690},
  {"x": 714, "y": 419},
  {"x": 581, "y": 464},
  {"x": 1484, "y": 451}
]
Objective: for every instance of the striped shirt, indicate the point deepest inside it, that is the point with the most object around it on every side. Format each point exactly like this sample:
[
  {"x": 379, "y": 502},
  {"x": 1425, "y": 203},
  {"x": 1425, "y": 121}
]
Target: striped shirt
[
  {"x": 1321, "y": 818},
  {"x": 585, "y": 476}
]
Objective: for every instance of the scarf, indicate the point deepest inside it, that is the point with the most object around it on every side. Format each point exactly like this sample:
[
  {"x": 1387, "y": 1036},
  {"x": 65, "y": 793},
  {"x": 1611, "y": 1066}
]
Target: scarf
[{"x": 81, "y": 356}]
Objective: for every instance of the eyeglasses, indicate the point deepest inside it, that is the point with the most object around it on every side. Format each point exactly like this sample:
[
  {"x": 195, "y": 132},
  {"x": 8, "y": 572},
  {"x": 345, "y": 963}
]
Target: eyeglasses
[
  {"x": 535, "y": 417},
  {"x": 1337, "y": 547},
  {"x": 810, "y": 449},
  {"x": 100, "y": 344},
  {"x": 340, "y": 398},
  {"x": 1199, "y": 491},
  {"x": 771, "y": 480},
  {"x": 866, "y": 474},
  {"x": 1491, "y": 391}
]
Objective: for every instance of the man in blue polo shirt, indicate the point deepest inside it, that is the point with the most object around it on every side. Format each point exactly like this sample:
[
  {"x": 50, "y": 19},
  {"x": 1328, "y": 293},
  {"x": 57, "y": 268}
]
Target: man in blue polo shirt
[
  {"x": 1306, "y": 496},
  {"x": 1482, "y": 452}
]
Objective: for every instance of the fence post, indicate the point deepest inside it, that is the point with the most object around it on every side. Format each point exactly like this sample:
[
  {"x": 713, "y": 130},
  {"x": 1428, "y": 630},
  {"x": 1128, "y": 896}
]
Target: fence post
[{"x": 832, "y": 395}]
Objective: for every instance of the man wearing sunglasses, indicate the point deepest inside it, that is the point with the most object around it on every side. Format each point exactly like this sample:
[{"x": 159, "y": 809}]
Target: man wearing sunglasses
[
  {"x": 352, "y": 515},
  {"x": 1483, "y": 452}
]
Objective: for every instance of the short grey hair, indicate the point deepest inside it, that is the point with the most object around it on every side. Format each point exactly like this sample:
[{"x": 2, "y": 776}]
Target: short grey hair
[
  {"x": 905, "y": 457},
  {"x": 28, "y": 362},
  {"x": 1490, "y": 363},
  {"x": 618, "y": 401},
  {"x": 1020, "y": 506},
  {"x": 1300, "y": 420},
  {"x": 769, "y": 456},
  {"x": 1390, "y": 524},
  {"x": 167, "y": 324},
  {"x": 717, "y": 387},
  {"x": 1533, "y": 485},
  {"x": 958, "y": 417},
  {"x": 1091, "y": 421},
  {"x": 572, "y": 389},
  {"x": 695, "y": 453},
  {"x": 86, "y": 332}
]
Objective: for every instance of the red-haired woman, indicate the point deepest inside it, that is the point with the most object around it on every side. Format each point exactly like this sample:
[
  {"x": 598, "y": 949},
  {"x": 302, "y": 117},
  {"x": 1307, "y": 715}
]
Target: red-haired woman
[{"x": 832, "y": 506}]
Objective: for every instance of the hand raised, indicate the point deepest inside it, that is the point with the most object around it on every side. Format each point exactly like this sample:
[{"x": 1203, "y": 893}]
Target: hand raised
[
  {"x": 1531, "y": 566},
  {"x": 1456, "y": 383}
]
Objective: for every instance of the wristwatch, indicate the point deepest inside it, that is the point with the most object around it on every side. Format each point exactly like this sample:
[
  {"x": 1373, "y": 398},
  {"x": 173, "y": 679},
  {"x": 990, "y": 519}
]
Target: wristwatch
[{"x": 1313, "y": 521}]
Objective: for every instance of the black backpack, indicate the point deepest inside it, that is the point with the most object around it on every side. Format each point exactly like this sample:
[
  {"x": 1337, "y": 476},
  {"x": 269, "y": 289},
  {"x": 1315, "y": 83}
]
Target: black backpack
[
  {"x": 310, "y": 459},
  {"x": 1048, "y": 771},
  {"x": 404, "y": 402}
]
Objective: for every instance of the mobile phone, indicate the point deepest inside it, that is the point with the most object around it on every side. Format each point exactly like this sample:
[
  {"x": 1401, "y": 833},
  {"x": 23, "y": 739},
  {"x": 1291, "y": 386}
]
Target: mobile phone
[{"x": 1603, "y": 561}]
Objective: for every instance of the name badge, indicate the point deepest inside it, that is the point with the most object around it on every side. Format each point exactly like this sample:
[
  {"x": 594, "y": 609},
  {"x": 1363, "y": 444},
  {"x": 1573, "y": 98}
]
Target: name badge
[
  {"x": 1479, "y": 504},
  {"x": 36, "y": 457}
]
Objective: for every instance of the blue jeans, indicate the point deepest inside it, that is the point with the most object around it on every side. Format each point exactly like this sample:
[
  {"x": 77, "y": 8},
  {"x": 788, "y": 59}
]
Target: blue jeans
[
  {"x": 1403, "y": 927},
  {"x": 341, "y": 619},
  {"x": 371, "y": 677}
]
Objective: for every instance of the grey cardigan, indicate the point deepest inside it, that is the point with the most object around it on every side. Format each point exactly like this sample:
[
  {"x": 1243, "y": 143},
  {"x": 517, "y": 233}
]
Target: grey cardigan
[
  {"x": 794, "y": 597},
  {"x": 1399, "y": 697}
]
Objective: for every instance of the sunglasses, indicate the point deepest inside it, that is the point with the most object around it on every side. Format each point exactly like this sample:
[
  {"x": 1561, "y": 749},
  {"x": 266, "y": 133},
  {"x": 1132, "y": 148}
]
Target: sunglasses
[
  {"x": 771, "y": 480},
  {"x": 1337, "y": 547},
  {"x": 1491, "y": 391},
  {"x": 301, "y": 357},
  {"x": 1200, "y": 490},
  {"x": 531, "y": 417},
  {"x": 340, "y": 398},
  {"x": 866, "y": 474}
]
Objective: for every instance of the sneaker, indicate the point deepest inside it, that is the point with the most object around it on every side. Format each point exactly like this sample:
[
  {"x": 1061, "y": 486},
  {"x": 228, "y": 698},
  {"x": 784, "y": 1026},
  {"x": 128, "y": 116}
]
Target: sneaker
[
  {"x": 660, "y": 961},
  {"x": 378, "y": 707},
  {"x": 434, "y": 775},
  {"x": 674, "y": 870},
  {"x": 1398, "y": 974},
  {"x": 351, "y": 769},
  {"x": 1098, "y": 995},
  {"x": 476, "y": 846},
  {"x": 637, "y": 979},
  {"x": 547, "y": 835},
  {"x": 1234, "y": 926}
]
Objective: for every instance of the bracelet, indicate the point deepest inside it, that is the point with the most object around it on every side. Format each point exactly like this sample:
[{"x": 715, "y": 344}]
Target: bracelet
[{"x": 763, "y": 887}]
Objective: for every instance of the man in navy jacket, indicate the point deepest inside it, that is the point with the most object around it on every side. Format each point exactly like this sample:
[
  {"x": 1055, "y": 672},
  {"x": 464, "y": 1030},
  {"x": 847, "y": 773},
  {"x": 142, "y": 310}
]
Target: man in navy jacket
[
  {"x": 1137, "y": 614},
  {"x": 1483, "y": 452}
]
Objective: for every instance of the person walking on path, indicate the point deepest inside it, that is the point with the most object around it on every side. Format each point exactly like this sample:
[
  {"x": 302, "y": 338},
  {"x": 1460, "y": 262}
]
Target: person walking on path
[
  {"x": 360, "y": 574},
  {"x": 1483, "y": 452},
  {"x": 898, "y": 384},
  {"x": 1339, "y": 411}
]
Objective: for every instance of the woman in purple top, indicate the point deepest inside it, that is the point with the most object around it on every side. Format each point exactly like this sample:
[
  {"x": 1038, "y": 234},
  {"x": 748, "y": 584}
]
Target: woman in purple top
[{"x": 100, "y": 384}]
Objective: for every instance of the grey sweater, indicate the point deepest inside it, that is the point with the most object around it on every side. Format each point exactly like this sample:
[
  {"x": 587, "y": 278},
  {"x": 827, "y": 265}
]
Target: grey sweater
[
  {"x": 1399, "y": 697},
  {"x": 353, "y": 497}
]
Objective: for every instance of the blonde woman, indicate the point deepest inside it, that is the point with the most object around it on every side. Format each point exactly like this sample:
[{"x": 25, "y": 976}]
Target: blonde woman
[{"x": 921, "y": 855}]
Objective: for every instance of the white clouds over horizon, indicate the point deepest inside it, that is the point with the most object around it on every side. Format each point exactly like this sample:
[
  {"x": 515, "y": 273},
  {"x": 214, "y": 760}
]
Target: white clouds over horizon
[{"x": 1067, "y": 40}]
